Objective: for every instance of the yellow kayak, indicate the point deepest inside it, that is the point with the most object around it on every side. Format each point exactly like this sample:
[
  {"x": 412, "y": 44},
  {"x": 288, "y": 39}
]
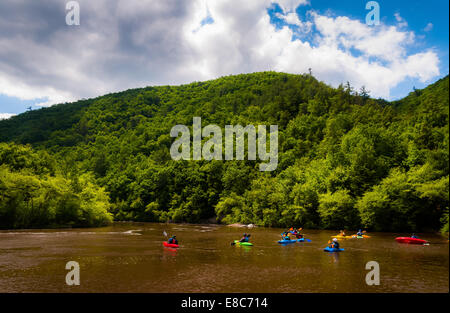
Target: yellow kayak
[{"x": 342, "y": 237}]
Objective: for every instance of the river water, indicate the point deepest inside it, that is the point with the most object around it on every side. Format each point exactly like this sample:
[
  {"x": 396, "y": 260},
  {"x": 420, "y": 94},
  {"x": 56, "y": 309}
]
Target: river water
[{"x": 129, "y": 257}]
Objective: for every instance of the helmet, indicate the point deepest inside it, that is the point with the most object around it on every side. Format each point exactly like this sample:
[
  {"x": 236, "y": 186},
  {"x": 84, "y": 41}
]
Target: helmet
[
  {"x": 174, "y": 236},
  {"x": 335, "y": 239},
  {"x": 245, "y": 235}
]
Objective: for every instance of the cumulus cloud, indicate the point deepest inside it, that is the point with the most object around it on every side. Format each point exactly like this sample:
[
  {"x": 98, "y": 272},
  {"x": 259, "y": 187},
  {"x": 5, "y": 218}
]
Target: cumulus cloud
[
  {"x": 133, "y": 43},
  {"x": 4, "y": 116},
  {"x": 290, "y": 5},
  {"x": 292, "y": 18}
]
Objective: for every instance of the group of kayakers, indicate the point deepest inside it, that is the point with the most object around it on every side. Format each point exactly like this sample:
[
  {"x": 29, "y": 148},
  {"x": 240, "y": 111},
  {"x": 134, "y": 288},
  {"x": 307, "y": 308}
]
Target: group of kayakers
[
  {"x": 294, "y": 231},
  {"x": 173, "y": 239},
  {"x": 333, "y": 244}
]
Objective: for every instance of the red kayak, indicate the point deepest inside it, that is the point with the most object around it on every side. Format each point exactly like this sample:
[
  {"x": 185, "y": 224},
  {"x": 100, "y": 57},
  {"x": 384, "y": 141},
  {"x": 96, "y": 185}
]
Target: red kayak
[
  {"x": 170, "y": 245},
  {"x": 416, "y": 241}
]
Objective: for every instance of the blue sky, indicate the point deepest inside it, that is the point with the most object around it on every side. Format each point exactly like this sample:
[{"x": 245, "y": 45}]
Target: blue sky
[
  {"x": 418, "y": 15},
  {"x": 44, "y": 61}
]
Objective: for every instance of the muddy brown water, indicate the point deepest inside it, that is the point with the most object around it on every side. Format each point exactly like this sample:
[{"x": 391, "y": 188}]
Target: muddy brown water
[{"x": 129, "y": 257}]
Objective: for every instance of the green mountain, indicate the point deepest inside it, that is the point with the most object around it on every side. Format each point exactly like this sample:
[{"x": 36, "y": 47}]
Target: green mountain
[{"x": 345, "y": 160}]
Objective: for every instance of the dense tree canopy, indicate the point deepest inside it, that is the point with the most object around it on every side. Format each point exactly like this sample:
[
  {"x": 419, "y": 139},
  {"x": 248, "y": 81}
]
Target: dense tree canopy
[
  {"x": 345, "y": 160},
  {"x": 33, "y": 193}
]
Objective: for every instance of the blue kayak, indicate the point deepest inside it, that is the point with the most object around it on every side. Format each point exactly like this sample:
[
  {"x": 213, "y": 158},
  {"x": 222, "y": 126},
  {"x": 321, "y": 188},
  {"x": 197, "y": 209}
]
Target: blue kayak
[
  {"x": 328, "y": 249},
  {"x": 287, "y": 241}
]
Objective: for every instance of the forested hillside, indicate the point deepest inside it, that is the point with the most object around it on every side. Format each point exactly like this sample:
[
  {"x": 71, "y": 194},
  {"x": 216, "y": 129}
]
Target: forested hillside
[{"x": 345, "y": 160}]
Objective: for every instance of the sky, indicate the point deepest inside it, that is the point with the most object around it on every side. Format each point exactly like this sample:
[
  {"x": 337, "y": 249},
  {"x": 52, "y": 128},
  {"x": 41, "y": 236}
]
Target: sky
[{"x": 122, "y": 44}]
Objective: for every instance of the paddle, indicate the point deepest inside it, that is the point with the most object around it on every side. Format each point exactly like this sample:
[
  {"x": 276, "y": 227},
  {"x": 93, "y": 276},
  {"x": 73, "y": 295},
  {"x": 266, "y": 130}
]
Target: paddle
[
  {"x": 304, "y": 239},
  {"x": 167, "y": 236}
]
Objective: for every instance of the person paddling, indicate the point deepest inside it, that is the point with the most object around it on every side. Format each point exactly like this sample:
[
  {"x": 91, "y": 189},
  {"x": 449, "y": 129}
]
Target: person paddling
[
  {"x": 245, "y": 238},
  {"x": 298, "y": 235},
  {"x": 285, "y": 236},
  {"x": 359, "y": 233},
  {"x": 334, "y": 244},
  {"x": 173, "y": 240},
  {"x": 414, "y": 236}
]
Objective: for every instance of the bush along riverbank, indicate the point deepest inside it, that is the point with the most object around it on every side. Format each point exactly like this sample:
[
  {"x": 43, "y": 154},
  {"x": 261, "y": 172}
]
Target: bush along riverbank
[{"x": 35, "y": 193}]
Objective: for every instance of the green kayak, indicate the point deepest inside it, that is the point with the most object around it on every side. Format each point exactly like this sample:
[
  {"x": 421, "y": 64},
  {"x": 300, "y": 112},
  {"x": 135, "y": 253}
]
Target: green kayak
[{"x": 237, "y": 242}]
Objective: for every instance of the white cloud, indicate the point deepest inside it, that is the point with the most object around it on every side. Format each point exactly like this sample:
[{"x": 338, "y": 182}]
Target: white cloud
[
  {"x": 135, "y": 43},
  {"x": 429, "y": 27},
  {"x": 386, "y": 43},
  {"x": 400, "y": 20},
  {"x": 290, "y": 5},
  {"x": 293, "y": 19},
  {"x": 4, "y": 116}
]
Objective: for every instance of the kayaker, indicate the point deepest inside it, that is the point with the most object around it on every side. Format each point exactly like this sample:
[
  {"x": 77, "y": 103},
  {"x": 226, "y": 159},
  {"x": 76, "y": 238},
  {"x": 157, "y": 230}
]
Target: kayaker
[
  {"x": 359, "y": 233},
  {"x": 285, "y": 236},
  {"x": 298, "y": 235},
  {"x": 245, "y": 238},
  {"x": 335, "y": 244},
  {"x": 173, "y": 240},
  {"x": 414, "y": 236}
]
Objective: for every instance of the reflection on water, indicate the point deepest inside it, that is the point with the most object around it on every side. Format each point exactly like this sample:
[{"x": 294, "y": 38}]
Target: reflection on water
[
  {"x": 335, "y": 256},
  {"x": 131, "y": 258},
  {"x": 170, "y": 252}
]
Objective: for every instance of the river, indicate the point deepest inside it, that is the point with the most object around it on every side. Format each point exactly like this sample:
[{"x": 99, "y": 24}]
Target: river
[{"x": 129, "y": 257}]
